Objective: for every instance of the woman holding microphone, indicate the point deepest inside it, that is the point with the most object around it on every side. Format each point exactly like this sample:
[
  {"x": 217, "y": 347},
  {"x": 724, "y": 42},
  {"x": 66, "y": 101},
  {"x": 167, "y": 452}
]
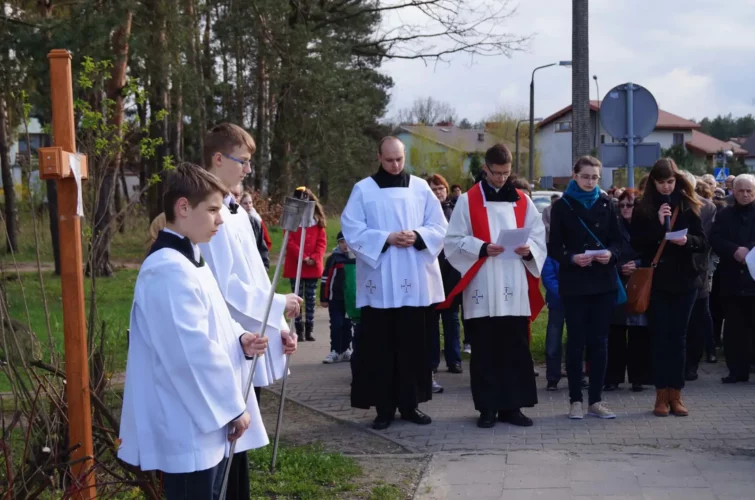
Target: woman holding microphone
[{"x": 669, "y": 205}]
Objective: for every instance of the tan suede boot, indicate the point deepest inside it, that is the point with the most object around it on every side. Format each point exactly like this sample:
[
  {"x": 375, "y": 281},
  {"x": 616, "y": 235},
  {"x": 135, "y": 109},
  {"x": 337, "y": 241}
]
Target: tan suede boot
[
  {"x": 675, "y": 400},
  {"x": 661, "y": 403}
]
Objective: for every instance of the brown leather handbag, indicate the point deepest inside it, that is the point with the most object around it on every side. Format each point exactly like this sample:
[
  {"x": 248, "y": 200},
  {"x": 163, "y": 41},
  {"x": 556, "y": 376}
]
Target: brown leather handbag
[{"x": 641, "y": 281}]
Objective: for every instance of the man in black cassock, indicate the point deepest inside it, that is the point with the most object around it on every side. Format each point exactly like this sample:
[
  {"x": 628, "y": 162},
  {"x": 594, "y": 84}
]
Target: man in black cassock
[{"x": 395, "y": 226}]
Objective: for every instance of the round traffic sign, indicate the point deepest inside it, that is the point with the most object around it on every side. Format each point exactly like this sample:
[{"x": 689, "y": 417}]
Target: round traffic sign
[{"x": 613, "y": 111}]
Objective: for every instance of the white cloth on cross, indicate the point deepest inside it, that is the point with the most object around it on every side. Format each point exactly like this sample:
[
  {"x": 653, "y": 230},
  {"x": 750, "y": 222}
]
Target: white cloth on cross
[
  {"x": 397, "y": 277},
  {"x": 183, "y": 374},
  {"x": 236, "y": 263},
  {"x": 500, "y": 287}
]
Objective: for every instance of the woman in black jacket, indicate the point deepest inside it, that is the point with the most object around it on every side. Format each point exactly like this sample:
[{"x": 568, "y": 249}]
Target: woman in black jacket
[
  {"x": 674, "y": 286},
  {"x": 585, "y": 240},
  {"x": 629, "y": 340}
]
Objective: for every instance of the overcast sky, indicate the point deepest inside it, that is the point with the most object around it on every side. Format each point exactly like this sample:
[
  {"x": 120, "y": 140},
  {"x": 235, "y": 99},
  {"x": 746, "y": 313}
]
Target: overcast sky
[{"x": 696, "y": 57}]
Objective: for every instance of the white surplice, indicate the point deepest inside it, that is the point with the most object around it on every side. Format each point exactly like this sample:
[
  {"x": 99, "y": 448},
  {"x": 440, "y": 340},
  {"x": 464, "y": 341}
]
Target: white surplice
[
  {"x": 500, "y": 287},
  {"x": 236, "y": 263},
  {"x": 183, "y": 373},
  {"x": 399, "y": 276}
]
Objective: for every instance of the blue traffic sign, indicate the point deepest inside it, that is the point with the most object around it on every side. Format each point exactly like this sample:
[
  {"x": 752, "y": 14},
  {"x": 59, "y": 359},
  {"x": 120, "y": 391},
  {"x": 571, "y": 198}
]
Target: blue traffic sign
[{"x": 720, "y": 174}]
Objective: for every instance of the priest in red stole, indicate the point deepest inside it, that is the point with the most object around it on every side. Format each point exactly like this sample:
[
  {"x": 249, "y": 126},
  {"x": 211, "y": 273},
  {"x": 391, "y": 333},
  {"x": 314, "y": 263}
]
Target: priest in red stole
[{"x": 500, "y": 289}]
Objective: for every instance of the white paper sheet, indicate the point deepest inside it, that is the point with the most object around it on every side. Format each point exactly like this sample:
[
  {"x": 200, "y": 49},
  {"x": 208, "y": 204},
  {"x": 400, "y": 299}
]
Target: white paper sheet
[
  {"x": 675, "y": 235},
  {"x": 596, "y": 252},
  {"x": 75, "y": 163},
  {"x": 750, "y": 261},
  {"x": 511, "y": 239}
]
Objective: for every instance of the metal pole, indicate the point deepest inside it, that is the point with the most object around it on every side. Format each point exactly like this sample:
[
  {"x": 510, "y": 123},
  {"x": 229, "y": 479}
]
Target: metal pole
[
  {"x": 516, "y": 158},
  {"x": 532, "y": 128},
  {"x": 288, "y": 357},
  {"x": 268, "y": 307},
  {"x": 597, "y": 114},
  {"x": 630, "y": 134}
]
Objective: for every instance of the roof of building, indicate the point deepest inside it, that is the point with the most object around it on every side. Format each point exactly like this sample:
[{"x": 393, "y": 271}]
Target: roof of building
[
  {"x": 709, "y": 145},
  {"x": 666, "y": 120},
  {"x": 453, "y": 137},
  {"x": 749, "y": 145}
]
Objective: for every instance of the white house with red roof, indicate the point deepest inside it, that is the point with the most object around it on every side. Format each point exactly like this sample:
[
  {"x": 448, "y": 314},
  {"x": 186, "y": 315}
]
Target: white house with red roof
[{"x": 554, "y": 141}]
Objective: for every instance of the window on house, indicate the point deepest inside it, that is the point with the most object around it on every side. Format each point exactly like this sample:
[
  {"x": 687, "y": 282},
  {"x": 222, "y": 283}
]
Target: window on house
[
  {"x": 36, "y": 140},
  {"x": 678, "y": 139},
  {"x": 563, "y": 126},
  {"x": 602, "y": 138}
]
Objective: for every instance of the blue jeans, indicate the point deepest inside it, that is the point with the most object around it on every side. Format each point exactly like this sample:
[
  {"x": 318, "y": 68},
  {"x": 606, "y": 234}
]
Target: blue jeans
[
  {"x": 554, "y": 335},
  {"x": 197, "y": 485},
  {"x": 588, "y": 320},
  {"x": 340, "y": 327},
  {"x": 668, "y": 318},
  {"x": 451, "y": 332}
]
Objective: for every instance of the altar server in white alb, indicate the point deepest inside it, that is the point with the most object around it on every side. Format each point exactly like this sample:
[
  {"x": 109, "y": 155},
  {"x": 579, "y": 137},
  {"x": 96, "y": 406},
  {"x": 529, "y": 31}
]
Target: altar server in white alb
[
  {"x": 235, "y": 262},
  {"x": 183, "y": 401},
  {"x": 501, "y": 289},
  {"x": 394, "y": 225}
]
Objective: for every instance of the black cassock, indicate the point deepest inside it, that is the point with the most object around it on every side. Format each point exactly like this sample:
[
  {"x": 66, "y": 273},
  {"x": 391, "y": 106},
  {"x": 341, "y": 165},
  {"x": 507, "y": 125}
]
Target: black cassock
[
  {"x": 501, "y": 367},
  {"x": 391, "y": 362}
]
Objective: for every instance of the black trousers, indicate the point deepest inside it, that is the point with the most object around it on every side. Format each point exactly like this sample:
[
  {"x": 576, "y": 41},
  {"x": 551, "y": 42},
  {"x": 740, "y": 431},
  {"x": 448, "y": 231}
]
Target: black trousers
[
  {"x": 629, "y": 351},
  {"x": 716, "y": 308},
  {"x": 739, "y": 338},
  {"x": 501, "y": 369},
  {"x": 668, "y": 318},
  {"x": 198, "y": 485},
  {"x": 700, "y": 329},
  {"x": 391, "y": 368}
]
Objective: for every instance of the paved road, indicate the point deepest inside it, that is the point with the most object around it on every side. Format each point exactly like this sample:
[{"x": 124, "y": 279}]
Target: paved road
[{"x": 722, "y": 417}]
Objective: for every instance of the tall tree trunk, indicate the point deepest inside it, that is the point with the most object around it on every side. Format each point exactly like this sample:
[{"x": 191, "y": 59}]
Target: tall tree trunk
[
  {"x": 279, "y": 175},
  {"x": 103, "y": 228},
  {"x": 7, "y": 176},
  {"x": 158, "y": 102},
  {"x": 580, "y": 80},
  {"x": 178, "y": 113},
  {"x": 207, "y": 63},
  {"x": 261, "y": 130},
  {"x": 194, "y": 56}
]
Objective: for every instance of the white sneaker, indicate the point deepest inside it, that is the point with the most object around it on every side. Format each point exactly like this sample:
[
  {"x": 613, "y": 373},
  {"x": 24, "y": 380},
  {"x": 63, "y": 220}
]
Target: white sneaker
[
  {"x": 468, "y": 348},
  {"x": 575, "y": 412},
  {"x": 600, "y": 410},
  {"x": 333, "y": 357},
  {"x": 346, "y": 355},
  {"x": 436, "y": 388}
]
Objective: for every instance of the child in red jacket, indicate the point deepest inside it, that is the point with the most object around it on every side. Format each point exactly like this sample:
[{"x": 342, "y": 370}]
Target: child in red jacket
[{"x": 315, "y": 243}]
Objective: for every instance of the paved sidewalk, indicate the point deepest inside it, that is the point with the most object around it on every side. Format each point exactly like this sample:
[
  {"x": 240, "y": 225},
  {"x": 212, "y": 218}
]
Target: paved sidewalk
[
  {"x": 559, "y": 475},
  {"x": 722, "y": 417}
]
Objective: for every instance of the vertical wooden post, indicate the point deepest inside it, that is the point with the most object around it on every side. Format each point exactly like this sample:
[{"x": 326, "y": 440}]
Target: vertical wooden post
[{"x": 72, "y": 279}]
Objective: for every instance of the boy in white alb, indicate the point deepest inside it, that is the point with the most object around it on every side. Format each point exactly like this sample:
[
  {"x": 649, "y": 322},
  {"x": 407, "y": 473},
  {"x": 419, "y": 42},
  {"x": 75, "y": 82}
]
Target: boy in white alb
[
  {"x": 234, "y": 260},
  {"x": 183, "y": 401}
]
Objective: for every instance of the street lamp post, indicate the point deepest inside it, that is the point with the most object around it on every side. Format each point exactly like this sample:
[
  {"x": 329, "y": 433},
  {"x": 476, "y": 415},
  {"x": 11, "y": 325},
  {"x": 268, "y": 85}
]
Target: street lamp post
[
  {"x": 532, "y": 115},
  {"x": 516, "y": 164},
  {"x": 597, "y": 115}
]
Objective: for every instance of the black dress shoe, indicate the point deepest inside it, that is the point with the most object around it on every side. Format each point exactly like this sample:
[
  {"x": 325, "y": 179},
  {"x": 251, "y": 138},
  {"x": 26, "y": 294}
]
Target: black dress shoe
[
  {"x": 637, "y": 388},
  {"x": 486, "y": 420},
  {"x": 610, "y": 387},
  {"x": 382, "y": 422},
  {"x": 731, "y": 379},
  {"x": 417, "y": 417},
  {"x": 455, "y": 368},
  {"x": 691, "y": 375},
  {"x": 515, "y": 417}
]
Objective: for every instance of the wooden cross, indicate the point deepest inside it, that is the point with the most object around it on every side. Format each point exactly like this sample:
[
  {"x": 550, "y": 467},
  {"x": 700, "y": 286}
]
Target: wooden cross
[{"x": 59, "y": 163}]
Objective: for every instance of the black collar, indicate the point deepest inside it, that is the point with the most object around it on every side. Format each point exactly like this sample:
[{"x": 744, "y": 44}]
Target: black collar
[
  {"x": 506, "y": 193},
  {"x": 180, "y": 245},
  {"x": 386, "y": 180}
]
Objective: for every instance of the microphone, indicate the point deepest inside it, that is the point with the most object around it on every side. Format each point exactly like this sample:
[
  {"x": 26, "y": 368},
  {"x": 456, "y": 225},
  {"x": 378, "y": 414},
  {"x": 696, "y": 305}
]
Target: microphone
[{"x": 668, "y": 218}]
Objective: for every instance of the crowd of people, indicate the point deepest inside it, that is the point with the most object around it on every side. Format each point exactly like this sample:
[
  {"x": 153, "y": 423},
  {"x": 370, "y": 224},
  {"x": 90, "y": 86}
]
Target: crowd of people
[{"x": 416, "y": 257}]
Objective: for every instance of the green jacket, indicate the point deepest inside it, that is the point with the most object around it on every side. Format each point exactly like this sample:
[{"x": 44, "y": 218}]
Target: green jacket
[{"x": 350, "y": 292}]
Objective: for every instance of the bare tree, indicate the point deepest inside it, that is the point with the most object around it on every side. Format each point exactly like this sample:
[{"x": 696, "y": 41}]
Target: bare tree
[
  {"x": 8, "y": 188},
  {"x": 427, "y": 111},
  {"x": 580, "y": 80}
]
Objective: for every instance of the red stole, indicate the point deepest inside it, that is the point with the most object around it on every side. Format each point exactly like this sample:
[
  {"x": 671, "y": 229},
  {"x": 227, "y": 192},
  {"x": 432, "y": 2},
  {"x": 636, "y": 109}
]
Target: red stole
[{"x": 478, "y": 215}]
